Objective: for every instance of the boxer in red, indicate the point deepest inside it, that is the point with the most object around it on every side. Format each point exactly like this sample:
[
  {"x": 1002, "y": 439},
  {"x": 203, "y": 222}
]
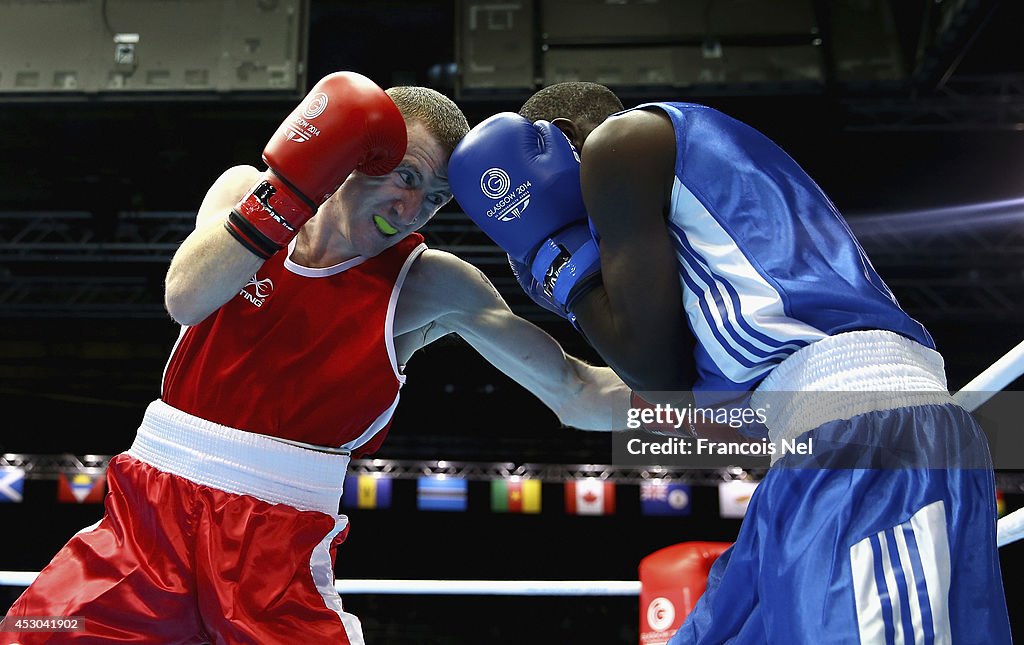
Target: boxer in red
[{"x": 302, "y": 292}]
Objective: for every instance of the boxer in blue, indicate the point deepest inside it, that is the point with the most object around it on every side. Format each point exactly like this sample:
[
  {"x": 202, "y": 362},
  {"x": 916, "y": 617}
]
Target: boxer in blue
[{"x": 696, "y": 256}]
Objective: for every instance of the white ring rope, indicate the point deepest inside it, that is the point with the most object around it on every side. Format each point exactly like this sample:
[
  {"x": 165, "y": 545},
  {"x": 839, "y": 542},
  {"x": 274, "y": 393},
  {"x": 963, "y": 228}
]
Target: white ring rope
[
  {"x": 1010, "y": 528},
  {"x": 1000, "y": 374},
  {"x": 981, "y": 388},
  {"x": 492, "y": 587},
  {"x": 441, "y": 587}
]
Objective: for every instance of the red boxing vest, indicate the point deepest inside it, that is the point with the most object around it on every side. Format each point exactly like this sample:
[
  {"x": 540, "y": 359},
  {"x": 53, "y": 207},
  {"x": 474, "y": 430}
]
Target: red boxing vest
[{"x": 301, "y": 354}]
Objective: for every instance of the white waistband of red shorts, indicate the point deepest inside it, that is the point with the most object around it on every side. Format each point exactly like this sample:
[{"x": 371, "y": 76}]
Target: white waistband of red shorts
[
  {"x": 845, "y": 375},
  {"x": 239, "y": 462}
]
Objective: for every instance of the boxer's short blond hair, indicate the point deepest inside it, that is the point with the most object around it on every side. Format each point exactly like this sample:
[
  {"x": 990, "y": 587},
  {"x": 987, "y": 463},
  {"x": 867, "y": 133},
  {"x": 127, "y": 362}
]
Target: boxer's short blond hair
[{"x": 438, "y": 113}]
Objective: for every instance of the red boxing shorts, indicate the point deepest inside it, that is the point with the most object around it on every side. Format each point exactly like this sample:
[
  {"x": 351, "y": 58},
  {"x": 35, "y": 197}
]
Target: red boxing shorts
[{"x": 210, "y": 535}]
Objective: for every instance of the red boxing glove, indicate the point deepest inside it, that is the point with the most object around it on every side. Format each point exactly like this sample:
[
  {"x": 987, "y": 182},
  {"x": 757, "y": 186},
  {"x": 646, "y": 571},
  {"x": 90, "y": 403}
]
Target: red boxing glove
[{"x": 345, "y": 123}]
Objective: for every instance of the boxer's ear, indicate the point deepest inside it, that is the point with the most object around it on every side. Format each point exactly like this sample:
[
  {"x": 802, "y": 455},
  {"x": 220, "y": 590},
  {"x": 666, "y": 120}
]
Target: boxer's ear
[{"x": 570, "y": 130}]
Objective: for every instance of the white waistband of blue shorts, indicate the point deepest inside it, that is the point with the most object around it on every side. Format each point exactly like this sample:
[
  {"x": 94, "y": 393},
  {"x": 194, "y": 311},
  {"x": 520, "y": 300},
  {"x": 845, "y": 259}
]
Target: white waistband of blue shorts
[
  {"x": 859, "y": 372},
  {"x": 239, "y": 462}
]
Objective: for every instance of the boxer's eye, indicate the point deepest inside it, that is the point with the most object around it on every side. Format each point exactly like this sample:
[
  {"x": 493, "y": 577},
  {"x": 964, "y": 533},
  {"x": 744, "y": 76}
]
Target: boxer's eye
[{"x": 408, "y": 177}]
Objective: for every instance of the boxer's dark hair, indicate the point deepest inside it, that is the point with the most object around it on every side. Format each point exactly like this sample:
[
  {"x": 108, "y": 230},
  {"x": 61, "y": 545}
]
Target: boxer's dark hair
[
  {"x": 438, "y": 113},
  {"x": 574, "y": 100}
]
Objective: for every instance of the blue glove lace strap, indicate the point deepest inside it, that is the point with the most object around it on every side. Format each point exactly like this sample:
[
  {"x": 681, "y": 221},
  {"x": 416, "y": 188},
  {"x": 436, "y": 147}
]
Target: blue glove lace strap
[
  {"x": 581, "y": 264},
  {"x": 550, "y": 256},
  {"x": 559, "y": 271}
]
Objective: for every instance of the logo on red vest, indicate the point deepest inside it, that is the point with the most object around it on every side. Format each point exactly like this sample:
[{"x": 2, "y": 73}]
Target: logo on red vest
[{"x": 257, "y": 291}]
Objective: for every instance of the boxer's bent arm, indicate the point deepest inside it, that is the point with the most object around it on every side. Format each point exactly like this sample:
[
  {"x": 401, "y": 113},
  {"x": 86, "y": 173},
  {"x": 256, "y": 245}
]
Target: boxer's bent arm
[
  {"x": 636, "y": 321},
  {"x": 210, "y": 266},
  {"x": 457, "y": 297}
]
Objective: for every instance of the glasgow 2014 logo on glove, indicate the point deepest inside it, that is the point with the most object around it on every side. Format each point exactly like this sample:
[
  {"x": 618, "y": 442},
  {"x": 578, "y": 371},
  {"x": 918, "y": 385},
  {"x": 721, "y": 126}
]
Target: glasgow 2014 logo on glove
[
  {"x": 496, "y": 184},
  {"x": 315, "y": 106},
  {"x": 300, "y": 130}
]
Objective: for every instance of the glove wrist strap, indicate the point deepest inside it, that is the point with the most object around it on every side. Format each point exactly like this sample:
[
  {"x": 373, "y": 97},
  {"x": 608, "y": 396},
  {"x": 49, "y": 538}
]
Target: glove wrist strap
[
  {"x": 559, "y": 271},
  {"x": 269, "y": 216}
]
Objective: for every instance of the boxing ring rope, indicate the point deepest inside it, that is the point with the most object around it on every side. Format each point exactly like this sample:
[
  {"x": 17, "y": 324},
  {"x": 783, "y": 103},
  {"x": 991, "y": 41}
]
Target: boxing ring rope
[
  {"x": 441, "y": 587},
  {"x": 979, "y": 390},
  {"x": 998, "y": 375}
]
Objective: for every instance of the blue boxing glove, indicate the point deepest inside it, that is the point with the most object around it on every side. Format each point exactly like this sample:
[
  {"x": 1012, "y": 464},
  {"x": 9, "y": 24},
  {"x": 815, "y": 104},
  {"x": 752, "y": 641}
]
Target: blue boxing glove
[{"x": 520, "y": 183}]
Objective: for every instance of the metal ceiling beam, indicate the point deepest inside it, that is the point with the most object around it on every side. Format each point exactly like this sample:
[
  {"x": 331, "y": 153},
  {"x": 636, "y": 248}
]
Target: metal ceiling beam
[
  {"x": 60, "y": 264},
  {"x": 963, "y": 104}
]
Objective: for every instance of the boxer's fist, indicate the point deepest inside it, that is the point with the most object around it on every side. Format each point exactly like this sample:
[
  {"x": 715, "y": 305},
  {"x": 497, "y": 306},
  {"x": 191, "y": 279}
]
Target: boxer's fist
[
  {"x": 520, "y": 182},
  {"x": 725, "y": 417},
  {"x": 345, "y": 123},
  {"x": 651, "y": 413}
]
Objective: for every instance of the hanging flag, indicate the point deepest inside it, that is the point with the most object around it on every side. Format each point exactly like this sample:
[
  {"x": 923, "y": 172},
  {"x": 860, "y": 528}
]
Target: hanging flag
[
  {"x": 589, "y": 497},
  {"x": 658, "y": 497},
  {"x": 81, "y": 488},
  {"x": 515, "y": 495},
  {"x": 1000, "y": 503},
  {"x": 12, "y": 484},
  {"x": 441, "y": 493},
  {"x": 366, "y": 491},
  {"x": 733, "y": 498}
]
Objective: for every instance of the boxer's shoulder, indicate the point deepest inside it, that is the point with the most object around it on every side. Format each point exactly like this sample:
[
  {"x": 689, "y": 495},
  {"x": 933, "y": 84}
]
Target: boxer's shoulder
[
  {"x": 440, "y": 283},
  {"x": 638, "y": 143},
  {"x": 627, "y": 165},
  {"x": 634, "y": 130},
  {"x": 432, "y": 267},
  {"x": 442, "y": 294}
]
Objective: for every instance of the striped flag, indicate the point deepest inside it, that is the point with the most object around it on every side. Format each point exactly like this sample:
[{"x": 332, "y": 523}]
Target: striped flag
[
  {"x": 589, "y": 497},
  {"x": 733, "y": 498},
  {"x": 12, "y": 484},
  {"x": 659, "y": 497},
  {"x": 515, "y": 495},
  {"x": 366, "y": 491},
  {"x": 81, "y": 488},
  {"x": 441, "y": 493}
]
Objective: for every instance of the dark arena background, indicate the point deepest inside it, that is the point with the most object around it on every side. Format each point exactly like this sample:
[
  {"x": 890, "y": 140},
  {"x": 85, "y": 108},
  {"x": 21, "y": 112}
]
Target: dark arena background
[{"x": 116, "y": 115}]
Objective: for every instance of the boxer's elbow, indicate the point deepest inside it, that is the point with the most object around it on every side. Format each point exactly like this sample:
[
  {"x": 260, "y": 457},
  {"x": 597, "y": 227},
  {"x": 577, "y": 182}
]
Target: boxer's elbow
[
  {"x": 181, "y": 302},
  {"x": 653, "y": 368},
  {"x": 648, "y": 352},
  {"x": 646, "y": 358}
]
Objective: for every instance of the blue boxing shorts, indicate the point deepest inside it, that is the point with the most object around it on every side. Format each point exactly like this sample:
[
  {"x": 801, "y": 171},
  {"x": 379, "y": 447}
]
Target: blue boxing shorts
[{"x": 883, "y": 531}]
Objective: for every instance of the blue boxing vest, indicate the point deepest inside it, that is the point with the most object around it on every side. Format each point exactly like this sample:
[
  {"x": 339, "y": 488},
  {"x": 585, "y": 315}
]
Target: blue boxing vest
[{"x": 766, "y": 263}]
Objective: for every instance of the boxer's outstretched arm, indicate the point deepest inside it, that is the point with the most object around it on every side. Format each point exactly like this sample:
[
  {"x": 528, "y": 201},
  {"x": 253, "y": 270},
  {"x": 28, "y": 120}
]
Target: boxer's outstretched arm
[
  {"x": 444, "y": 294},
  {"x": 636, "y": 320},
  {"x": 210, "y": 266}
]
